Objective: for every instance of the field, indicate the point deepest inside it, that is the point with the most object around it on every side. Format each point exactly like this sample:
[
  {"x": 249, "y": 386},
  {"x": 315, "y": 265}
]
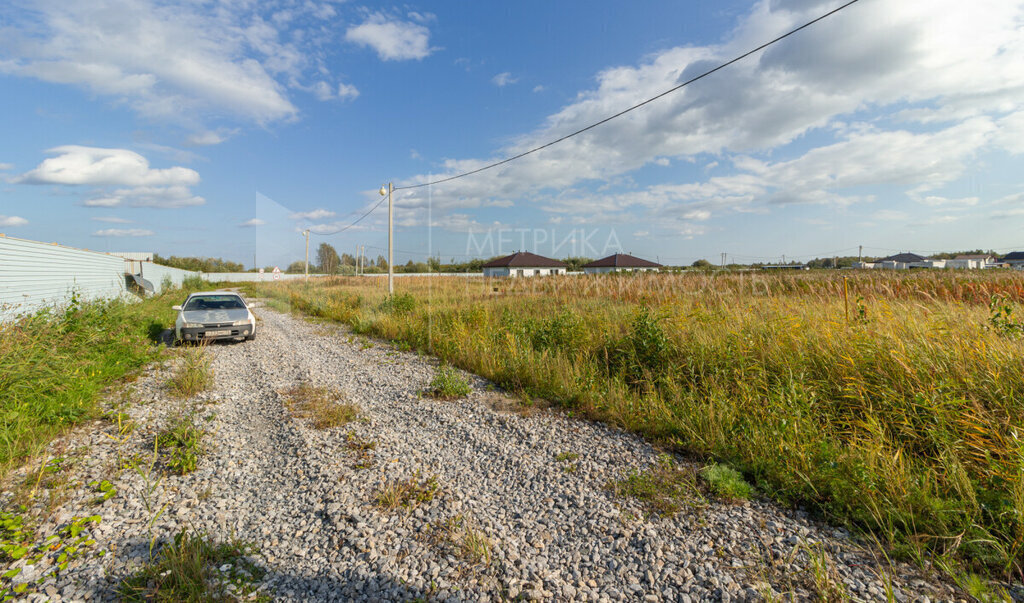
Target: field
[{"x": 893, "y": 403}]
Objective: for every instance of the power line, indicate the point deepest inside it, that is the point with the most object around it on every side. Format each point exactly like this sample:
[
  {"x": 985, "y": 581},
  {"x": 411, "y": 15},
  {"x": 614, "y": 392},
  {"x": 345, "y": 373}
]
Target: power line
[
  {"x": 603, "y": 121},
  {"x": 360, "y": 219},
  {"x": 634, "y": 107}
]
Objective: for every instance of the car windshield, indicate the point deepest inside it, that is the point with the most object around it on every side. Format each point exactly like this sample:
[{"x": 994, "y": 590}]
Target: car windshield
[{"x": 214, "y": 302}]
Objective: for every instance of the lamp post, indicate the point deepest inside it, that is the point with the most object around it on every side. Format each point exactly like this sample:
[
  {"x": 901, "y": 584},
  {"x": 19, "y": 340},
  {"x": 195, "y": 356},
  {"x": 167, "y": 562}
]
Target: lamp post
[{"x": 389, "y": 191}]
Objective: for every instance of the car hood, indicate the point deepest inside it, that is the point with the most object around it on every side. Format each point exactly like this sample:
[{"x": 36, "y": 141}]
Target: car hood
[{"x": 207, "y": 316}]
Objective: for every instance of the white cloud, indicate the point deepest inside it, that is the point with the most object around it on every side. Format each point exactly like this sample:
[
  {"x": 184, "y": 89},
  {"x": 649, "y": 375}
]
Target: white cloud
[
  {"x": 103, "y": 169},
  {"x": 890, "y": 215},
  {"x": 6, "y": 166},
  {"x": 111, "y": 219},
  {"x": 316, "y": 214},
  {"x": 123, "y": 232},
  {"x": 871, "y": 58},
  {"x": 347, "y": 91},
  {"x": 504, "y": 79},
  {"x": 641, "y": 233},
  {"x": 393, "y": 39},
  {"x": 252, "y": 222},
  {"x": 12, "y": 221},
  {"x": 76, "y": 165},
  {"x": 168, "y": 61},
  {"x": 210, "y": 137},
  {"x": 538, "y": 88}
]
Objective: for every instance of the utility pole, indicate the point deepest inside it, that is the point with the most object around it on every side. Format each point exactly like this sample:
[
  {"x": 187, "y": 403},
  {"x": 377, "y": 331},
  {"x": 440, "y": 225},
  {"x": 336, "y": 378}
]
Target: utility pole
[
  {"x": 306, "y": 232},
  {"x": 723, "y": 259},
  {"x": 389, "y": 191},
  {"x": 860, "y": 253}
]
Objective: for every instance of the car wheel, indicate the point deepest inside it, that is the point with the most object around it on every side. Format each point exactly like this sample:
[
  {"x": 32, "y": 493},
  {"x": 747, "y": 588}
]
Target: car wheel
[{"x": 250, "y": 337}]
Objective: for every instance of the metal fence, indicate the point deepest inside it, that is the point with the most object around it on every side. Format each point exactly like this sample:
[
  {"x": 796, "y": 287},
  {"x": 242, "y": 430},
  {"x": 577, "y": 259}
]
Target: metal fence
[{"x": 34, "y": 275}]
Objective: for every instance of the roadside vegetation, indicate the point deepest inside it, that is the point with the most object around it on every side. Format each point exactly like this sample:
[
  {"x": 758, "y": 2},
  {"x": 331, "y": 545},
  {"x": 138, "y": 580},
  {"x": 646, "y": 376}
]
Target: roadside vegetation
[
  {"x": 893, "y": 403},
  {"x": 55, "y": 364},
  {"x": 323, "y": 406}
]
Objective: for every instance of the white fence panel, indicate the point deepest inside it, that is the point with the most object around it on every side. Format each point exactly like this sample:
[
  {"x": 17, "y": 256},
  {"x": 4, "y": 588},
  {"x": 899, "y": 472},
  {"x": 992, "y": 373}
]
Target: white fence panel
[{"x": 34, "y": 275}]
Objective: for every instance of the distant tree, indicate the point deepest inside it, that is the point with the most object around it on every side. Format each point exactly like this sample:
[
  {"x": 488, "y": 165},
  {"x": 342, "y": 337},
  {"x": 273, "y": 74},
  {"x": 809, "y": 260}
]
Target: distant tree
[
  {"x": 327, "y": 259},
  {"x": 382, "y": 262},
  {"x": 702, "y": 263},
  {"x": 348, "y": 260},
  {"x": 434, "y": 264},
  {"x": 575, "y": 264},
  {"x": 296, "y": 267},
  {"x": 199, "y": 264}
]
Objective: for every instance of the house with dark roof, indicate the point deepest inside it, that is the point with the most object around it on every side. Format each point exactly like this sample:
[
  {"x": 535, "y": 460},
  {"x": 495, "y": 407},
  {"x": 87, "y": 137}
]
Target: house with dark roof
[
  {"x": 904, "y": 261},
  {"x": 970, "y": 261},
  {"x": 1014, "y": 260},
  {"x": 620, "y": 262},
  {"x": 523, "y": 263}
]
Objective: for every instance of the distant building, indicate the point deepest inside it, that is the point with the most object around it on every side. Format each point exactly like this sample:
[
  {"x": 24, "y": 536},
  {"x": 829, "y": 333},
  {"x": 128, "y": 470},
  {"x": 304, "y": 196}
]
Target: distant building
[
  {"x": 523, "y": 263},
  {"x": 1014, "y": 260},
  {"x": 619, "y": 262},
  {"x": 905, "y": 261},
  {"x": 970, "y": 261},
  {"x": 786, "y": 267}
]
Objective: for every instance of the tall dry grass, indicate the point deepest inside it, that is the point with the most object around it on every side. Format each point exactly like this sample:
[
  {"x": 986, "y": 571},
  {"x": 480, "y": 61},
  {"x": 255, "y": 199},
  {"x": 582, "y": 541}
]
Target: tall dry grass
[{"x": 895, "y": 408}]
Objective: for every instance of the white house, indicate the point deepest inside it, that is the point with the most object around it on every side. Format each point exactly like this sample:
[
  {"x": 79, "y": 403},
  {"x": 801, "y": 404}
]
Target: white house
[
  {"x": 523, "y": 263},
  {"x": 619, "y": 262}
]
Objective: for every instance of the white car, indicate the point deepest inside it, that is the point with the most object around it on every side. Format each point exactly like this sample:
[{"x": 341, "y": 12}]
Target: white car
[{"x": 214, "y": 315}]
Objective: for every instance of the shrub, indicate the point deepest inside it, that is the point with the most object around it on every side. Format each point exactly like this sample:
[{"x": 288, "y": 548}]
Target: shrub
[
  {"x": 195, "y": 373},
  {"x": 182, "y": 443}
]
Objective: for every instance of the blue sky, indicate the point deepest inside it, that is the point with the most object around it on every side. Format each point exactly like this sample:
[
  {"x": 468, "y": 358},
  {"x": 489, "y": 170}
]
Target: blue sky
[{"x": 225, "y": 128}]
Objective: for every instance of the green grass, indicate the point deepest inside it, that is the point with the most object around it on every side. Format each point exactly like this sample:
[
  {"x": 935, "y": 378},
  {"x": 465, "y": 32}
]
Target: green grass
[
  {"x": 195, "y": 374},
  {"x": 725, "y": 482},
  {"x": 406, "y": 493},
  {"x": 54, "y": 365},
  {"x": 896, "y": 410},
  {"x": 182, "y": 444},
  {"x": 189, "y": 569},
  {"x": 448, "y": 384}
]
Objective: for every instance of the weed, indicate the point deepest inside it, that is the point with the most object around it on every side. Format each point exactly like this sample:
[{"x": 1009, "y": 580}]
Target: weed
[
  {"x": 469, "y": 543},
  {"x": 195, "y": 373},
  {"x": 567, "y": 456},
  {"x": 104, "y": 489},
  {"x": 321, "y": 405},
  {"x": 824, "y": 576},
  {"x": 183, "y": 444},
  {"x": 194, "y": 568},
  {"x": 400, "y": 303},
  {"x": 1001, "y": 317},
  {"x": 408, "y": 493},
  {"x": 725, "y": 482},
  {"x": 448, "y": 384},
  {"x": 663, "y": 488},
  {"x": 361, "y": 450}
]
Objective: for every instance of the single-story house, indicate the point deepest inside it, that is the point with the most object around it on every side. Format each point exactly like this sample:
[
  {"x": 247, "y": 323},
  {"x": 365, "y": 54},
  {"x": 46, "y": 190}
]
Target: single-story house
[
  {"x": 619, "y": 262},
  {"x": 524, "y": 263},
  {"x": 1014, "y": 259},
  {"x": 970, "y": 261},
  {"x": 904, "y": 261}
]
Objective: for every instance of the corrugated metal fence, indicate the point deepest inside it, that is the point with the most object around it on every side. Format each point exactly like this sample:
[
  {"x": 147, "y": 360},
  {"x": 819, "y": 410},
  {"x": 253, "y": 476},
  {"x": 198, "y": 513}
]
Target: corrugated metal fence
[{"x": 34, "y": 275}]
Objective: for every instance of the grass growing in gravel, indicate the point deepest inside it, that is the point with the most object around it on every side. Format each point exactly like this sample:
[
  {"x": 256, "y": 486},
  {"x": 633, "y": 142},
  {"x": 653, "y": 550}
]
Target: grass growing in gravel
[
  {"x": 189, "y": 569},
  {"x": 322, "y": 405},
  {"x": 182, "y": 443},
  {"x": 195, "y": 373},
  {"x": 407, "y": 493},
  {"x": 725, "y": 482},
  {"x": 467, "y": 542},
  {"x": 448, "y": 384},
  {"x": 664, "y": 488},
  {"x": 897, "y": 409},
  {"x": 55, "y": 364}
]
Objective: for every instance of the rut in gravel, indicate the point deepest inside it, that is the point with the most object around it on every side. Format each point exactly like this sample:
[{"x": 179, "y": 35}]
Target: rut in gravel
[{"x": 531, "y": 488}]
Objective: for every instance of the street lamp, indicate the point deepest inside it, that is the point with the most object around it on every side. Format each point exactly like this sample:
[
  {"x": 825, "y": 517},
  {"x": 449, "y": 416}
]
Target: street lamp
[{"x": 389, "y": 191}]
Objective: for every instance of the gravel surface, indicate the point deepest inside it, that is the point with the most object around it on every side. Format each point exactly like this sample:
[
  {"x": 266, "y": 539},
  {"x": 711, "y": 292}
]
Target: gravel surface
[{"x": 307, "y": 498}]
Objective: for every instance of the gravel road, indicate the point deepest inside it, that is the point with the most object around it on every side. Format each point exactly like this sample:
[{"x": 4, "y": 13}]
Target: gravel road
[{"x": 306, "y": 499}]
